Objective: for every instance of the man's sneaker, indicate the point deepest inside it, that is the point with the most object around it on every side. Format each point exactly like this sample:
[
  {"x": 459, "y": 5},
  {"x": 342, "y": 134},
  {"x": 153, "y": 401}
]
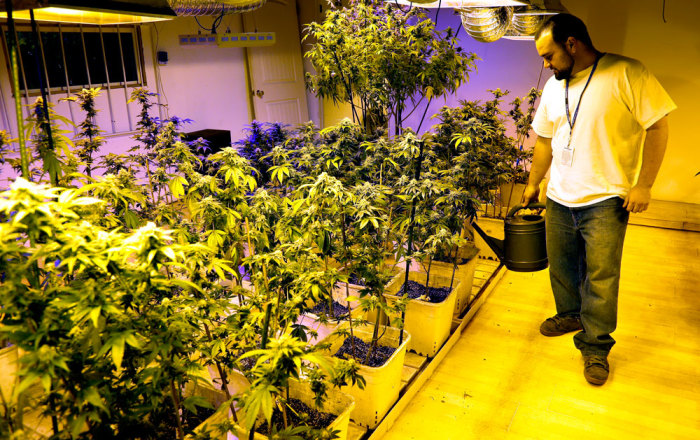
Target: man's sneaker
[
  {"x": 559, "y": 325},
  {"x": 595, "y": 369}
]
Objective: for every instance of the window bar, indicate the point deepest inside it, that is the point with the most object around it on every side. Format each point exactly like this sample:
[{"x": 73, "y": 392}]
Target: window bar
[
  {"x": 109, "y": 89},
  {"x": 65, "y": 71},
  {"x": 126, "y": 92},
  {"x": 43, "y": 60},
  {"x": 24, "y": 77},
  {"x": 23, "y": 153},
  {"x": 6, "y": 117},
  {"x": 87, "y": 66},
  {"x": 45, "y": 95}
]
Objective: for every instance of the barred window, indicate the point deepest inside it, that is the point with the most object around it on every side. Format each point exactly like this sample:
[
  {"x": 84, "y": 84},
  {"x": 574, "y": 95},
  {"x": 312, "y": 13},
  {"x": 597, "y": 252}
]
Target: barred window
[{"x": 78, "y": 56}]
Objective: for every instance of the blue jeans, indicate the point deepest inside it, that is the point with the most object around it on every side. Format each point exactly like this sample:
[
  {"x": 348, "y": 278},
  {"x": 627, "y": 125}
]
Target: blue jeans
[{"x": 584, "y": 246}]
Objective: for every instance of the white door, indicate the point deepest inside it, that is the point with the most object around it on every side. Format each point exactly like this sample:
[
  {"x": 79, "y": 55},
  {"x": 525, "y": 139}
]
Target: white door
[{"x": 277, "y": 72}]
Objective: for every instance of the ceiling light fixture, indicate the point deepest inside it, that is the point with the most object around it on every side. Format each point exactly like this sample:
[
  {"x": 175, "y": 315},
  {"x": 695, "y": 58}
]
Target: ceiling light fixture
[
  {"x": 106, "y": 12},
  {"x": 460, "y": 4},
  {"x": 541, "y": 7},
  {"x": 91, "y": 11}
]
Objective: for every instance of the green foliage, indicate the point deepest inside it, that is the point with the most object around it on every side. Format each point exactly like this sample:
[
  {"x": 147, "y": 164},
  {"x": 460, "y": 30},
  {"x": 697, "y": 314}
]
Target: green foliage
[
  {"x": 381, "y": 58},
  {"x": 108, "y": 320},
  {"x": 51, "y": 148},
  {"x": 89, "y": 140}
]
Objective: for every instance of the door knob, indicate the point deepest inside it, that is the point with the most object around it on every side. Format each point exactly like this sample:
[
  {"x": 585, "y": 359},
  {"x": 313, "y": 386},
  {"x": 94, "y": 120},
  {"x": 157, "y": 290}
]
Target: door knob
[{"x": 259, "y": 93}]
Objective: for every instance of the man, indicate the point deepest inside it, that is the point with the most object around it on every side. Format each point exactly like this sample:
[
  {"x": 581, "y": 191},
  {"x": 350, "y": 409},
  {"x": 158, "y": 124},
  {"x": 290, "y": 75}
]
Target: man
[{"x": 596, "y": 115}]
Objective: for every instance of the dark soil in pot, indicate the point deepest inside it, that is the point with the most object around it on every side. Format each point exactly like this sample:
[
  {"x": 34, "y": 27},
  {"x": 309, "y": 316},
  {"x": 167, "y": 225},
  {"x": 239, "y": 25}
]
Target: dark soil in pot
[
  {"x": 299, "y": 415},
  {"x": 354, "y": 279},
  {"x": 321, "y": 308},
  {"x": 417, "y": 290},
  {"x": 161, "y": 425},
  {"x": 377, "y": 358}
]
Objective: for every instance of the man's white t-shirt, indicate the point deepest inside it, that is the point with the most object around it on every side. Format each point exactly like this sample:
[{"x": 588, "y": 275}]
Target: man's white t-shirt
[{"x": 622, "y": 100}]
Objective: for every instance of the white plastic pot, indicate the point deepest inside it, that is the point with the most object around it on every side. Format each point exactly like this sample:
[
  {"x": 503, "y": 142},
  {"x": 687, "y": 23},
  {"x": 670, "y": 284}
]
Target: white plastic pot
[
  {"x": 382, "y": 384},
  {"x": 337, "y": 403},
  {"x": 428, "y": 323},
  {"x": 464, "y": 274},
  {"x": 8, "y": 369}
]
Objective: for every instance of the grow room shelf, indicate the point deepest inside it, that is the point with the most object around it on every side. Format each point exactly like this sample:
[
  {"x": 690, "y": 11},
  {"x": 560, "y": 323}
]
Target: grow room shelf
[{"x": 417, "y": 369}]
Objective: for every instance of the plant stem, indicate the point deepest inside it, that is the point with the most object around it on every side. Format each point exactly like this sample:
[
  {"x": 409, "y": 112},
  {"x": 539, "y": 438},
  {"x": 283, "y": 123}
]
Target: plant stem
[
  {"x": 330, "y": 297},
  {"x": 176, "y": 402},
  {"x": 347, "y": 284},
  {"x": 411, "y": 223},
  {"x": 375, "y": 336},
  {"x": 347, "y": 85},
  {"x": 352, "y": 335},
  {"x": 427, "y": 274},
  {"x": 454, "y": 267},
  {"x": 224, "y": 378},
  {"x": 266, "y": 326}
]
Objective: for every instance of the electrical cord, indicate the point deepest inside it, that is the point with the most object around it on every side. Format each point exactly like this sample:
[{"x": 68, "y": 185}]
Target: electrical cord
[
  {"x": 663, "y": 11},
  {"x": 159, "y": 80}
]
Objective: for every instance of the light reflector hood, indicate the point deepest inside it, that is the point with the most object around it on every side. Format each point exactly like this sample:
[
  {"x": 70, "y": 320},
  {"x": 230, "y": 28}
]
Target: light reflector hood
[{"x": 91, "y": 11}]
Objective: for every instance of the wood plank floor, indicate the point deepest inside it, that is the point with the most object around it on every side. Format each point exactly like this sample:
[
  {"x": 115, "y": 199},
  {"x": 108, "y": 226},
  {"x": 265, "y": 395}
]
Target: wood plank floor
[{"x": 504, "y": 380}]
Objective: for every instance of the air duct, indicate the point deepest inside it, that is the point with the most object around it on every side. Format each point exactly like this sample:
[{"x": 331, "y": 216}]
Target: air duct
[
  {"x": 486, "y": 24},
  {"x": 526, "y": 24},
  {"x": 214, "y": 7}
]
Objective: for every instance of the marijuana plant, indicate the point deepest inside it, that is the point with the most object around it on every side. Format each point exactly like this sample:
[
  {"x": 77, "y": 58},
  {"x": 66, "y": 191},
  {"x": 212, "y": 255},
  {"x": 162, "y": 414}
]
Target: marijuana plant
[{"x": 383, "y": 60}]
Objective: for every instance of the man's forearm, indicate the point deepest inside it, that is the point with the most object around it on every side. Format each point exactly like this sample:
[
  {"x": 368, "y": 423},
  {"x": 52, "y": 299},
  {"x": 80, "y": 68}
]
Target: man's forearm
[
  {"x": 653, "y": 153},
  {"x": 541, "y": 160}
]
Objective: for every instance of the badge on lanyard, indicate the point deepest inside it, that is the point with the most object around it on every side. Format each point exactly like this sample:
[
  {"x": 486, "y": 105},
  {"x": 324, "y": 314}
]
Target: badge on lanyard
[
  {"x": 567, "y": 154},
  {"x": 567, "y": 157}
]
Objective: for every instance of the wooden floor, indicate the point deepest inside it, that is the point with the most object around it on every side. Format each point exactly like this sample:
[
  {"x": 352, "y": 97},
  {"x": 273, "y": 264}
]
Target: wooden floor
[{"x": 503, "y": 380}]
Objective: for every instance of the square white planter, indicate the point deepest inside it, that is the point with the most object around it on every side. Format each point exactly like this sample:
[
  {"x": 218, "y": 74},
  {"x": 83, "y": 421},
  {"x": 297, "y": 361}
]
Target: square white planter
[
  {"x": 428, "y": 323},
  {"x": 382, "y": 384},
  {"x": 464, "y": 274}
]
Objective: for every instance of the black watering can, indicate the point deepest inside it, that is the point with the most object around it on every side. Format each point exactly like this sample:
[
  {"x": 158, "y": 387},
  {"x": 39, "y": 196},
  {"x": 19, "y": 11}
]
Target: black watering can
[{"x": 524, "y": 248}]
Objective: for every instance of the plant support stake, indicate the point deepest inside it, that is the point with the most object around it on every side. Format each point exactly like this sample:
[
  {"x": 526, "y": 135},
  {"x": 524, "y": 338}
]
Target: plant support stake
[
  {"x": 419, "y": 160},
  {"x": 23, "y": 154},
  {"x": 43, "y": 84}
]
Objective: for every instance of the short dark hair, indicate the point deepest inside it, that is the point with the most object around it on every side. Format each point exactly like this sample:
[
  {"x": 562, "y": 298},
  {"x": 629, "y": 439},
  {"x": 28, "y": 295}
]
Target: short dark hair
[{"x": 563, "y": 26}]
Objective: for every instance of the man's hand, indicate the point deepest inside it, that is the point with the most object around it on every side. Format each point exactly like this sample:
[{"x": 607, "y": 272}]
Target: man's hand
[
  {"x": 530, "y": 194},
  {"x": 638, "y": 199}
]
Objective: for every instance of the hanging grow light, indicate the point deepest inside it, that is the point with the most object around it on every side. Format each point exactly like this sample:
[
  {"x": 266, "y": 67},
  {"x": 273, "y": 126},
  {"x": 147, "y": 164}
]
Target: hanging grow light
[
  {"x": 123, "y": 12},
  {"x": 91, "y": 12}
]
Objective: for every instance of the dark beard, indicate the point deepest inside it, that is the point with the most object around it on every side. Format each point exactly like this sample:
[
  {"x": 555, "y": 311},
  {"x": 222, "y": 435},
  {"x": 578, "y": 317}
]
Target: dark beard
[
  {"x": 566, "y": 73},
  {"x": 563, "y": 74}
]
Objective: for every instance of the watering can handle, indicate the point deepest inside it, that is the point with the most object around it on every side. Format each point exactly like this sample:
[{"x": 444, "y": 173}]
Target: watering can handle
[{"x": 517, "y": 208}]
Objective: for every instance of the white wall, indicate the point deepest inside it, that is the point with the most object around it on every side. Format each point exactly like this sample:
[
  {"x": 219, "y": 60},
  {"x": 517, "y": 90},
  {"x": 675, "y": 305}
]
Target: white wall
[
  {"x": 202, "y": 83},
  {"x": 671, "y": 51}
]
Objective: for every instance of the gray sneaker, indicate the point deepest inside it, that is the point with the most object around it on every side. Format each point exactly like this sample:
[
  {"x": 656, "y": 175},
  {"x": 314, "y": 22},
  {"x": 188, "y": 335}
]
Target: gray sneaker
[
  {"x": 559, "y": 325},
  {"x": 596, "y": 369}
]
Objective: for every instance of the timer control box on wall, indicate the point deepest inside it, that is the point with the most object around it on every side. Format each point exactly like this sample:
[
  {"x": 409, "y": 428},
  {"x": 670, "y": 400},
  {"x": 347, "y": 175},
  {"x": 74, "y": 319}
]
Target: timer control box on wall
[{"x": 242, "y": 39}]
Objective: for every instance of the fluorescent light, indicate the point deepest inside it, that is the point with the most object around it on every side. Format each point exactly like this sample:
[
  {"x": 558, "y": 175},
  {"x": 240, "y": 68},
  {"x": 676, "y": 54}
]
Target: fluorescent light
[{"x": 65, "y": 15}]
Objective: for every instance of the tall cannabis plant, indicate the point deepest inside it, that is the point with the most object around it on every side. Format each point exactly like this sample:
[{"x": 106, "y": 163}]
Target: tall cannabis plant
[
  {"x": 383, "y": 60},
  {"x": 88, "y": 141}
]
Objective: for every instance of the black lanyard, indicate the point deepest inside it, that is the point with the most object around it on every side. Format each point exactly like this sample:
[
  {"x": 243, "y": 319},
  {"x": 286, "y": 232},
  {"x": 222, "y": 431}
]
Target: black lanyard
[{"x": 566, "y": 98}]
